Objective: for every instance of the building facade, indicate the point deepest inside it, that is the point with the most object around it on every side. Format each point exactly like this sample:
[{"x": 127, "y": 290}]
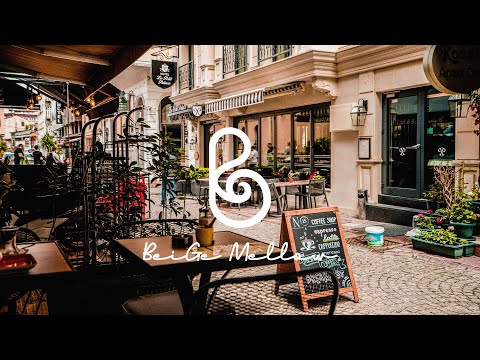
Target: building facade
[
  {"x": 19, "y": 127},
  {"x": 141, "y": 91},
  {"x": 298, "y": 98}
]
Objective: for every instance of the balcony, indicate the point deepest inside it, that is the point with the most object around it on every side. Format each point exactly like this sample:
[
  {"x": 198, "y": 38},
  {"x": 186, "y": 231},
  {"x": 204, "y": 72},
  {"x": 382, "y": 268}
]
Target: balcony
[
  {"x": 185, "y": 76},
  {"x": 234, "y": 59},
  {"x": 273, "y": 52},
  {"x": 48, "y": 113}
]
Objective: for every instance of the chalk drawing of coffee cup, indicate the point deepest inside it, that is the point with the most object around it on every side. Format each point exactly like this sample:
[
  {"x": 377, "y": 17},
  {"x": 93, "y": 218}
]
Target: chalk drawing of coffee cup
[{"x": 307, "y": 245}]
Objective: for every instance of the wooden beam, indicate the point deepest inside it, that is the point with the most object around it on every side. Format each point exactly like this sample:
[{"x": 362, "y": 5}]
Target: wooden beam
[
  {"x": 57, "y": 95},
  {"x": 41, "y": 75},
  {"x": 123, "y": 59},
  {"x": 74, "y": 56}
]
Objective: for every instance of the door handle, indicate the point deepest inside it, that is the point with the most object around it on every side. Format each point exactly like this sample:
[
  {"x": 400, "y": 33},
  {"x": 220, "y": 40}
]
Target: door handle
[{"x": 414, "y": 147}]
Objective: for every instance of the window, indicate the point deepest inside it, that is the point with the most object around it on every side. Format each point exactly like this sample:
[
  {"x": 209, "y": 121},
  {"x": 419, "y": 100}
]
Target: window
[
  {"x": 234, "y": 59},
  {"x": 301, "y": 140},
  {"x": 284, "y": 138},
  {"x": 273, "y": 52},
  {"x": 321, "y": 143}
]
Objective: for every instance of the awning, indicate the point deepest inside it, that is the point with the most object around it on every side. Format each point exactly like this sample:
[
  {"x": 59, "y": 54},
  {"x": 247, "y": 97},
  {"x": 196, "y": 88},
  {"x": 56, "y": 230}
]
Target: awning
[
  {"x": 235, "y": 101},
  {"x": 252, "y": 97},
  {"x": 87, "y": 68}
]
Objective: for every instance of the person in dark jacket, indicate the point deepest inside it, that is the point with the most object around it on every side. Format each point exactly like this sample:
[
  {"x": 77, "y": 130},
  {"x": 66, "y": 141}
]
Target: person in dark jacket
[
  {"x": 38, "y": 158},
  {"x": 18, "y": 154}
]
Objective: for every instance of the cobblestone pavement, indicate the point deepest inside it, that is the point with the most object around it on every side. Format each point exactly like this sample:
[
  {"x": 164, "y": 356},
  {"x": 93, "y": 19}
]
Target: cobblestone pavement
[{"x": 396, "y": 281}]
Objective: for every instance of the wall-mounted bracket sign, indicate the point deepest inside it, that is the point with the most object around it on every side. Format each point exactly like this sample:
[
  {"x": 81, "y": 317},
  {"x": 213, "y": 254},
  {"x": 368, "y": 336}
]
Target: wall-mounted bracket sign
[
  {"x": 317, "y": 234},
  {"x": 364, "y": 145},
  {"x": 197, "y": 110},
  {"x": 164, "y": 73},
  {"x": 453, "y": 68}
]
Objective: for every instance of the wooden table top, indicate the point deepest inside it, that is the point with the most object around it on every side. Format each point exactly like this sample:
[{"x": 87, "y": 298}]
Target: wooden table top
[
  {"x": 220, "y": 251},
  {"x": 51, "y": 265},
  {"x": 294, "y": 183}
]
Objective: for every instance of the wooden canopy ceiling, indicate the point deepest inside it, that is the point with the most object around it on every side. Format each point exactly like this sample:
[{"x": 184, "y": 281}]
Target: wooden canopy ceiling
[{"x": 86, "y": 68}]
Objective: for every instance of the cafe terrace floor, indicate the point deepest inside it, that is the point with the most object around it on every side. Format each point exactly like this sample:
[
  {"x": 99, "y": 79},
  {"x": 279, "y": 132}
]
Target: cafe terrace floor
[{"x": 394, "y": 279}]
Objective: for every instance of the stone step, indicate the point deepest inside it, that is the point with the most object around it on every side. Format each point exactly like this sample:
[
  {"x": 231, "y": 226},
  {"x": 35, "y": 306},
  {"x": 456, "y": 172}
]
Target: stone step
[
  {"x": 406, "y": 202},
  {"x": 393, "y": 214}
]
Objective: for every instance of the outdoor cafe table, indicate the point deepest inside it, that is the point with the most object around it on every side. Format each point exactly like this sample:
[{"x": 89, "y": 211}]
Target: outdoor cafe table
[
  {"x": 182, "y": 269},
  {"x": 52, "y": 268},
  {"x": 302, "y": 183}
]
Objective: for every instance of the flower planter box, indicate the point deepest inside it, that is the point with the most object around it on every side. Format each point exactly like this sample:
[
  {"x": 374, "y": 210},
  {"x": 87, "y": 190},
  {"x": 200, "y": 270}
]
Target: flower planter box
[
  {"x": 437, "y": 249},
  {"x": 468, "y": 249},
  {"x": 463, "y": 230}
]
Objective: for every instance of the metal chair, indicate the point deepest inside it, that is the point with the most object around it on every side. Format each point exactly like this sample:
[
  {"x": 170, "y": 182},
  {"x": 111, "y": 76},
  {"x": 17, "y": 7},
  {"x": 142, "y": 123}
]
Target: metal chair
[
  {"x": 254, "y": 294},
  {"x": 316, "y": 187},
  {"x": 275, "y": 196},
  {"x": 138, "y": 282},
  {"x": 155, "y": 227}
]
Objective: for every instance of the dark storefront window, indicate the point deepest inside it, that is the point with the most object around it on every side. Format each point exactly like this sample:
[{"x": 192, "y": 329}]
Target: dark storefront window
[
  {"x": 284, "y": 138},
  {"x": 301, "y": 140},
  {"x": 439, "y": 134}
]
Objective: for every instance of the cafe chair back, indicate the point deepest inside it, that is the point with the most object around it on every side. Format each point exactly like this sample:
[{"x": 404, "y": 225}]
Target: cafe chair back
[
  {"x": 254, "y": 295},
  {"x": 316, "y": 187},
  {"x": 154, "y": 228},
  {"x": 137, "y": 282}
]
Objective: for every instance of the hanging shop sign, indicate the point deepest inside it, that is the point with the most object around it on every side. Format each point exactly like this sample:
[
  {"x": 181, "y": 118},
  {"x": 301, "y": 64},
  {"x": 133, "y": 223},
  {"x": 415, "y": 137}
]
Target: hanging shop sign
[
  {"x": 453, "y": 68},
  {"x": 197, "y": 110},
  {"x": 58, "y": 113},
  {"x": 164, "y": 73}
]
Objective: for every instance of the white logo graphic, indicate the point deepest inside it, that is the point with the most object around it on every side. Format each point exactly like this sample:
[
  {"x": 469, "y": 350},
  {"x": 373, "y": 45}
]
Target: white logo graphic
[
  {"x": 165, "y": 68},
  {"x": 442, "y": 151},
  {"x": 229, "y": 195},
  {"x": 402, "y": 151},
  {"x": 307, "y": 245},
  {"x": 304, "y": 221}
]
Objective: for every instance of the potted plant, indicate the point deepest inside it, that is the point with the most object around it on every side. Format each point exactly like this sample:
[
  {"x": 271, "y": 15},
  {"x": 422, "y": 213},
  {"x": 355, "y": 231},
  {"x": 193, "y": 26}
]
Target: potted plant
[
  {"x": 428, "y": 222},
  {"x": 474, "y": 198},
  {"x": 440, "y": 242},
  {"x": 7, "y": 233},
  {"x": 198, "y": 173},
  {"x": 315, "y": 176},
  {"x": 165, "y": 164},
  {"x": 462, "y": 217},
  {"x": 434, "y": 196},
  {"x": 48, "y": 142}
]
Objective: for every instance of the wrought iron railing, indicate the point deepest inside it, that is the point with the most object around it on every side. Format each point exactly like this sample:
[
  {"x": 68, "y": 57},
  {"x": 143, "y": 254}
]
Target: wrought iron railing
[
  {"x": 48, "y": 113},
  {"x": 234, "y": 58},
  {"x": 185, "y": 76},
  {"x": 274, "y": 52}
]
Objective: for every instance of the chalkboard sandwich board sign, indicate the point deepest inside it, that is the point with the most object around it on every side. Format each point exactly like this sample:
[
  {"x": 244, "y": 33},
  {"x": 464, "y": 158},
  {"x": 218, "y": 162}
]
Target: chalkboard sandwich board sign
[{"x": 317, "y": 234}]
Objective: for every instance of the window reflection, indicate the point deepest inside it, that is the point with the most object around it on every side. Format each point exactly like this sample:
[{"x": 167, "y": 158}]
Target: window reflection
[{"x": 279, "y": 147}]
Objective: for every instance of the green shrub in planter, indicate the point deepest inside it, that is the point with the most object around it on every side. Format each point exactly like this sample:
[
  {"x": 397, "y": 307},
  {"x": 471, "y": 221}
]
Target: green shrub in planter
[
  {"x": 429, "y": 221},
  {"x": 462, "y": 217},
  {"x": 440, "y": 242}
]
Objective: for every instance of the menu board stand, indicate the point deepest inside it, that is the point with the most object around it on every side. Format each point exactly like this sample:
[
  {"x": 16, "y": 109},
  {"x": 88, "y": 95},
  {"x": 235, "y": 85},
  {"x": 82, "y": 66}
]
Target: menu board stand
[{"x": 318, "y": 235}]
